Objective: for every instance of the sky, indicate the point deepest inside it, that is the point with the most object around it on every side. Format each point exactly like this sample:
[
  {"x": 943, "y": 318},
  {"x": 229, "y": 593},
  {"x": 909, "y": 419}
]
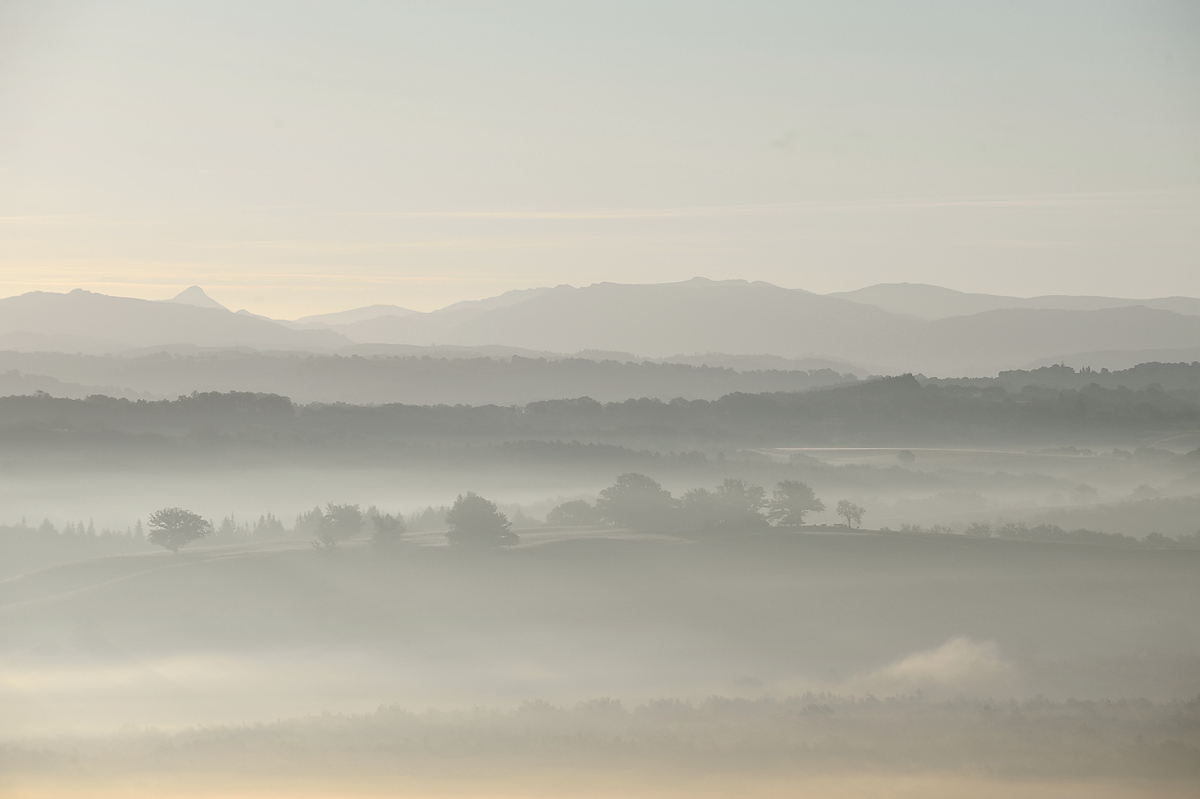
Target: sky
[{"x": 296, "y": 158}]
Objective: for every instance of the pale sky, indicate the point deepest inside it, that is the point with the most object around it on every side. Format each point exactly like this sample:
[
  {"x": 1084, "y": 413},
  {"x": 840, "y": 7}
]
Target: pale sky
[{"x": 296, "y": 157}]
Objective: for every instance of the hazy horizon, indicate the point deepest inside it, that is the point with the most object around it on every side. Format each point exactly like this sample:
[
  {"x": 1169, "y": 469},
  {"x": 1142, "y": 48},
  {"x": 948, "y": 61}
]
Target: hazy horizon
[
  {"x": 332, "y": 157},
  {"x": 812, "y": 405},
  {"x": 172, "y": 293}
]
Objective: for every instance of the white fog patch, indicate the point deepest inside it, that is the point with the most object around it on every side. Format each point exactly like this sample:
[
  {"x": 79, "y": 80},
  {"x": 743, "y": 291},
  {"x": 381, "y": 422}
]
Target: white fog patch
[{"x": 959, "y": 666}]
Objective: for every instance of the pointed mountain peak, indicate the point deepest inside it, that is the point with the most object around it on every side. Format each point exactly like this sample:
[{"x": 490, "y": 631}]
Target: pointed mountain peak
[{"x": 194, "y": 295}]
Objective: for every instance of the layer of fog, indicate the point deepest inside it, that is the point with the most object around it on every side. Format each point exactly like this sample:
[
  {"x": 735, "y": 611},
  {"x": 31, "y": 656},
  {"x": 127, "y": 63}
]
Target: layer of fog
[
  {"x": 1122, "y": 492},
  {"x": 178, "y": 691}
]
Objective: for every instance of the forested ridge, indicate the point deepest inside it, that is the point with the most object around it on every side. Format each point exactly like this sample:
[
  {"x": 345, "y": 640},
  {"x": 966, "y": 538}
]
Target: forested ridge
[
  {"x": 896, "y": 411},
  {"x": 1180, "y": 380},
  {"x": 468, "y": 378}
]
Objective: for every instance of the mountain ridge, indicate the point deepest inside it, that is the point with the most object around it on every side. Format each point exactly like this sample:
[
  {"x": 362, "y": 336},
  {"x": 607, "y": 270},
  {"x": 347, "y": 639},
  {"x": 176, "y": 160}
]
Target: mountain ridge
[
  {"x": 929, "y": 302},
  {"x": 196, "y": 296},
  {"x": 103, "y": 323},
  {"x": 663, "y": 321}
]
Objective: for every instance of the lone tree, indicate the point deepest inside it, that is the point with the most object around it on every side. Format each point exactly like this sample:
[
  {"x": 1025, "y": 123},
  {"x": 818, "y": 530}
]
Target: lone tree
[
  {"x": 475, "y": 522},
  {"x": 851, "y": 512},
  {"x": 338, "y": 523},
  {"x": 637, "y": 502},
  {"x": 175, "y": 527},
  {"x": 790, "y": 501}
]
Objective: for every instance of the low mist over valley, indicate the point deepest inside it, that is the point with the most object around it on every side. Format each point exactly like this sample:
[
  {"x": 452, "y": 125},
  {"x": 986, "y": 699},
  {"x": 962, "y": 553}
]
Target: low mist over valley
[
  {"x": 603, "y": 546},
  {"x": 578, "y": 401}
]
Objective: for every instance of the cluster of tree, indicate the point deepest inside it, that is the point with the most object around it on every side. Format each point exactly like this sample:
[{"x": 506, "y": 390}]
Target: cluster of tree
[
  {"x": 472, "y": 521},
  {"x": 174, "y": 528},
  {"x": 337, "y": 524},
  {"x": 638, "y": 502}
]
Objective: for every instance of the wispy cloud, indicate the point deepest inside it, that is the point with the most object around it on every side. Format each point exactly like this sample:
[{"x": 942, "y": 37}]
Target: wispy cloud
[
  {"x": 1185, "y": 196},
  {"x": 44, "y": 219},
  {"x": 1026, "y": 200}
]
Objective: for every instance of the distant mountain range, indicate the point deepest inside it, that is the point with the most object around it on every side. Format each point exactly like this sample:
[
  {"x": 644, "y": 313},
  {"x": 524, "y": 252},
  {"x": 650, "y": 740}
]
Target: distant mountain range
[
  {"x": 934, "y": 302},
  {"x": 888, "y": 328}
]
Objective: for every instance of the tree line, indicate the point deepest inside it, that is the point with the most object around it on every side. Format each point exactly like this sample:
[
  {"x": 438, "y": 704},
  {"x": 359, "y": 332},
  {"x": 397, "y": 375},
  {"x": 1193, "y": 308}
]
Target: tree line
[
  {"x": 174, "y": 528},
  {"x": 897, "y": 411},
  {"x": 635, "y": 502},
  {"x": 379, "y": 378},
  {"x": 471, "y": 521}
]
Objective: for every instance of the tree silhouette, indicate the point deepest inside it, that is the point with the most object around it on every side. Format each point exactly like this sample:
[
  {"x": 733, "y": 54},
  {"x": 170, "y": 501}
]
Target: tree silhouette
[
  {"x": 637, "y": 502},
  {"x": 175, "y": 527},
  {"x": 790, "y": 501},
  {"x": 475, "y": 522},
  {"x": 338, "y": 523},
  {"x": 697, "y": 509},
  {"x": 738, "y": 505},
  {"x": 851, "y": 512}
]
